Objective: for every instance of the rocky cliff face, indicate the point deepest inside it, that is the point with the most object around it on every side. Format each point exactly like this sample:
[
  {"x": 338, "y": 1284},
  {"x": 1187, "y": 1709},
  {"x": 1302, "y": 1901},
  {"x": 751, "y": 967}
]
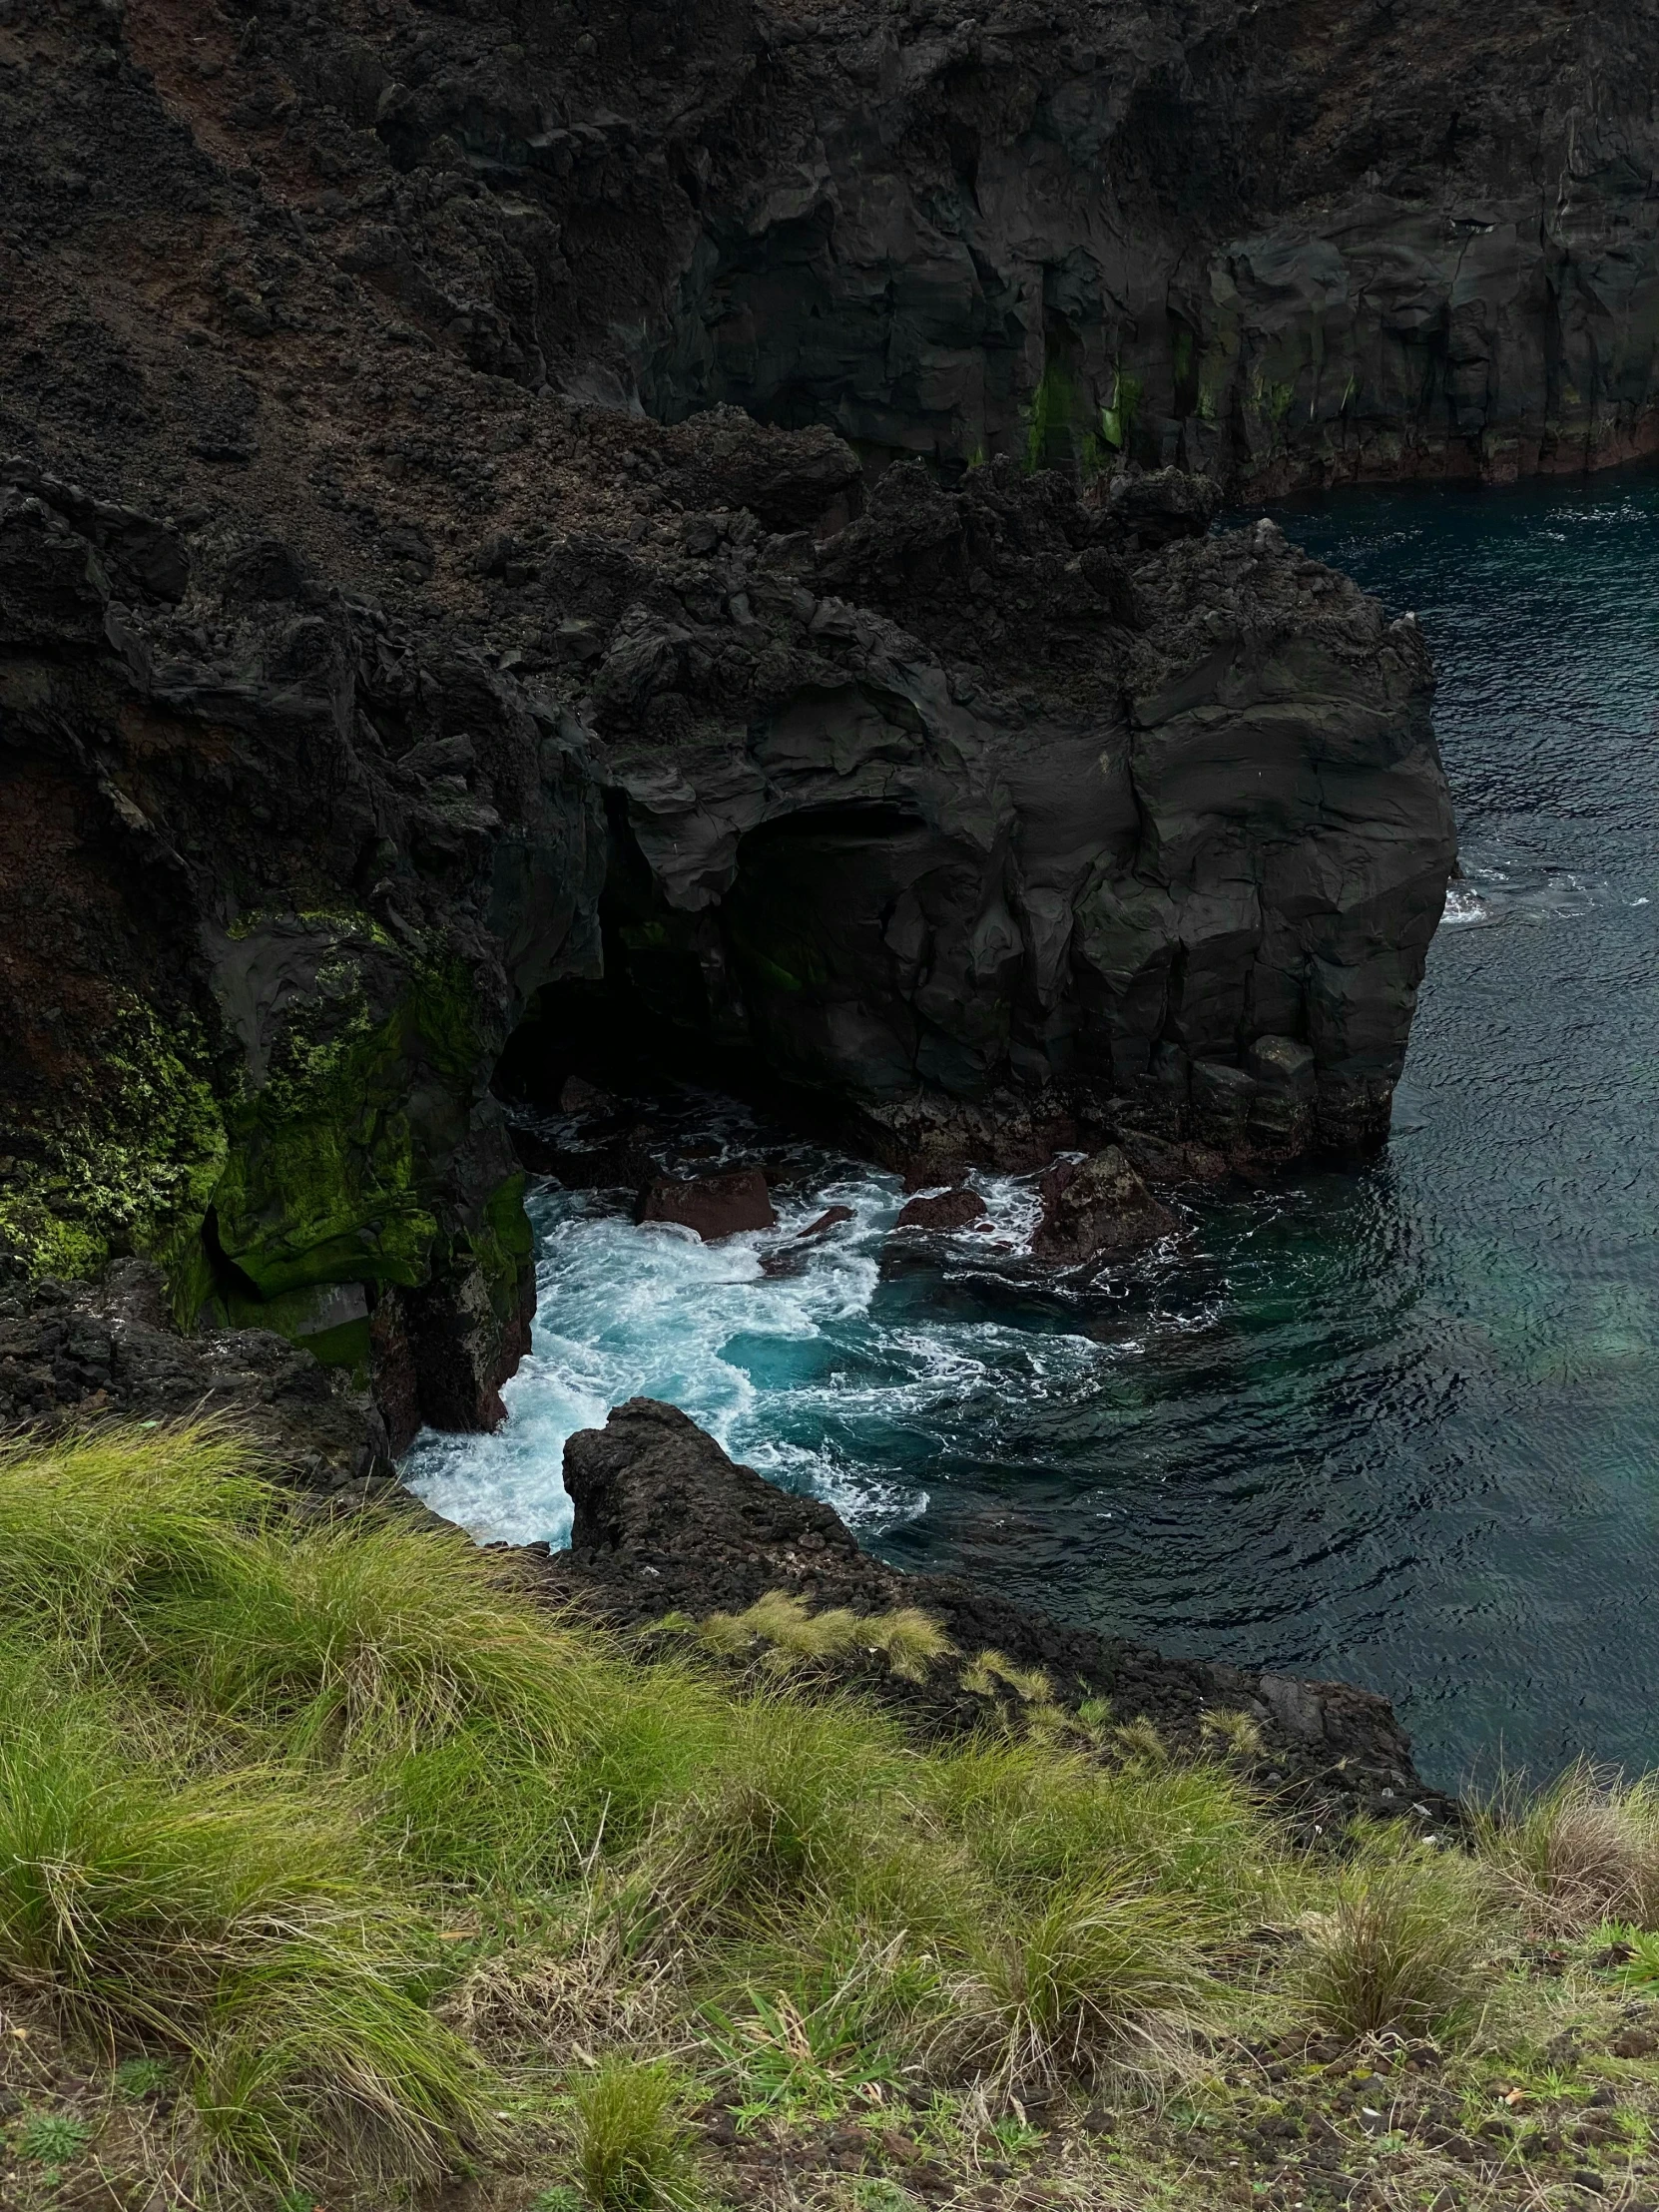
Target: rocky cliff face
[
  {"x": 373, "y": 695},
  {"x": 1281, "y": 242}
]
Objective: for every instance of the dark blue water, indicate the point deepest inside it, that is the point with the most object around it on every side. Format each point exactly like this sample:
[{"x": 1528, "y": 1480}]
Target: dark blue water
[{"x": 1400, "y": 1426}]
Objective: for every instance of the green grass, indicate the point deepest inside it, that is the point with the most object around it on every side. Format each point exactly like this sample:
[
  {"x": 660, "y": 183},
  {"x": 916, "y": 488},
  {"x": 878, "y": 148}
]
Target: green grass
[
  {"x": 384, "y": 1873},
  {"x": 1402, "y": 1947},
  {"x": 633, "y": 2145}
]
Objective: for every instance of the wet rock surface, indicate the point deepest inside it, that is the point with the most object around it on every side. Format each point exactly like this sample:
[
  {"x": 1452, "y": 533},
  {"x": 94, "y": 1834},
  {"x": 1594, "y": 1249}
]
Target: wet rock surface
[
  {"x": 714, "y": 1206},
  {"x": 665, "y": 1522},
  {"x": 1096, "y": 1207},
  {"x": 944, "y": 1210}
]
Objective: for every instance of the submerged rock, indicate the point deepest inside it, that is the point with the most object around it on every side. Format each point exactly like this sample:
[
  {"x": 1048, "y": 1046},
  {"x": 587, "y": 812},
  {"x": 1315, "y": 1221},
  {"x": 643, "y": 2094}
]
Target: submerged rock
[{"x": 833, "y": 1217}]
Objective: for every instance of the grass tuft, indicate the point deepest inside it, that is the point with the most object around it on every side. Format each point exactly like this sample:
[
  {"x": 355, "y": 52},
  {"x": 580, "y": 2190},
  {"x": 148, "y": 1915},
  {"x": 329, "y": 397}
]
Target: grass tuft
[
  {"x": 910, "y": 1640},
  {"x": 1056, "y": 1994},
  {"x": 633, "y": 2142},
  {"x": 1403, "y": 1947},
  {"x": 1234, "y": 1735},
  {"x": 1586, "y": 1850},
  {"x": 795, "y": 1636},
  {"x": 993, "y": 1671}
]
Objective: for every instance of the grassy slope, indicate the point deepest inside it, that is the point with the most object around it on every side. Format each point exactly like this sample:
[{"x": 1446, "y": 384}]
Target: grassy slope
[{"x": 331, "y": 1871}]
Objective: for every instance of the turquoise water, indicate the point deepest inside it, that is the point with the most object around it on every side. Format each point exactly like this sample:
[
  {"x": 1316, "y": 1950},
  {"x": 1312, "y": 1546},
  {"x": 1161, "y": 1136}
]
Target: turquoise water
[{"x": 1400, "y": 1425}]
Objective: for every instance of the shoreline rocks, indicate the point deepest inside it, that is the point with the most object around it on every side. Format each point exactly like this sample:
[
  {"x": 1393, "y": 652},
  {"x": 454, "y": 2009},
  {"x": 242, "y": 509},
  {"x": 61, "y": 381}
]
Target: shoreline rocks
[
  {"x": 1095, "y": 1207},
  {"x": 665, "y": 1523}
]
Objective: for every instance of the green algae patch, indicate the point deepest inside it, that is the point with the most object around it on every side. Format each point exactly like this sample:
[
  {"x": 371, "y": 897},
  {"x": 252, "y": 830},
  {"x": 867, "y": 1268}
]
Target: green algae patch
[
  {"x": 129, "y": 1165},
  {"x": 502, "y": 1246},
  {"x": 327, "y": 1178}
]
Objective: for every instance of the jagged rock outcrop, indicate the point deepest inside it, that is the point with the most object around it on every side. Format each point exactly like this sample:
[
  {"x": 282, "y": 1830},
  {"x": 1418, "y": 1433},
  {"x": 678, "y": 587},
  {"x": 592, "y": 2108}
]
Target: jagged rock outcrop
[
  {"x": 375, "y": 693},
  {"x": 77, "y": 1354},
  {"x": 924, "y": 809},
  {"x": 665, "y": 1523}
]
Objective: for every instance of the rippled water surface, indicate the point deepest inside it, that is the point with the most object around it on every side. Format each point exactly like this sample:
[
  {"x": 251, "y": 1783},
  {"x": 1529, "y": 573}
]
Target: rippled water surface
[{"x": 1400, "y": 1425}]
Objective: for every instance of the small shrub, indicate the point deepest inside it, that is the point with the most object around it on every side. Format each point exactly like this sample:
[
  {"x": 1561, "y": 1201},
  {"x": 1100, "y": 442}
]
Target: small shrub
[
  {"x": 633, "y": 2143},
  {"x": 1403, "y": 1948},
  {"x": 52, "y": 2137}
]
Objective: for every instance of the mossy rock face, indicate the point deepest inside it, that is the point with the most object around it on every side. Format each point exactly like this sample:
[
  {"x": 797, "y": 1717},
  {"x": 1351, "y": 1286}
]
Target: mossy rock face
[
  {"x": 361, "y": 1071},
  {"x": 126, "y": 1167},
  {"x": 361, "y": 1162}
]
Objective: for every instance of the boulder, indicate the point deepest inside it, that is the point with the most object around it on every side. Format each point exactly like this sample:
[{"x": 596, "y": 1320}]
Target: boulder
[
  {"x": 715, "y": 1206},
  {"x": 944, "y": 1210},
  {"x": 1096, "y": 1207}
]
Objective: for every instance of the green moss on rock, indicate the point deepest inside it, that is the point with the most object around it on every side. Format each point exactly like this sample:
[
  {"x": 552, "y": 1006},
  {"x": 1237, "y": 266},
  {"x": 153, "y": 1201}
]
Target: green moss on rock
[
  {"x": 327, "y": 1180},
  {"x": 127, "y": 1165}
]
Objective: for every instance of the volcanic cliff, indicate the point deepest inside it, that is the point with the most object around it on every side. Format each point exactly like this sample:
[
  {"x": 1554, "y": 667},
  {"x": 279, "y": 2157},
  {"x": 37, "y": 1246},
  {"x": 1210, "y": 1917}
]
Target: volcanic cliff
[{"x": 406, "y": 648}]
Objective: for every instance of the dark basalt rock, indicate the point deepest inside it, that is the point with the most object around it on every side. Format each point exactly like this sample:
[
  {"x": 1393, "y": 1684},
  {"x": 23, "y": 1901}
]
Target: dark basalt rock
[
  {"x": 1281, "y": 247},
  {"x": 375, "y": 676},
  {"x": 1096, "y": 1207},
  {"x": 79, "y": 1353},
  {"x": 665, "y": 1523},
  {"x": 715, "y": 1206},
  {"x": 832, "y": 1218},
  {"x": 946, "y": 1210}
]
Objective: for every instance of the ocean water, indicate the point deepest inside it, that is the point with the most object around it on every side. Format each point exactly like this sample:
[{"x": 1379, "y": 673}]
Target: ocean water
[{"x": 1398, "y": 1425}]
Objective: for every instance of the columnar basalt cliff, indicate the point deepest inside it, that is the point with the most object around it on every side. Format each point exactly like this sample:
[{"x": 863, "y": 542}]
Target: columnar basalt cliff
[{"x": 374, "y": 681}]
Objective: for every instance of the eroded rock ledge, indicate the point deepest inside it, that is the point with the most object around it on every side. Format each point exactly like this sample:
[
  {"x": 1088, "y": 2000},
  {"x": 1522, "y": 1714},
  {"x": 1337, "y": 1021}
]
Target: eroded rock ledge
[{"x": 665, "y": 1522}]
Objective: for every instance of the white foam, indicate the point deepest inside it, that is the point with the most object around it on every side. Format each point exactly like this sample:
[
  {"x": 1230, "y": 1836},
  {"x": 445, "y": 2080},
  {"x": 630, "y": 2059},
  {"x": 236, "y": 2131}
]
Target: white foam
[{"x": 763, "y": 1357}]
